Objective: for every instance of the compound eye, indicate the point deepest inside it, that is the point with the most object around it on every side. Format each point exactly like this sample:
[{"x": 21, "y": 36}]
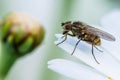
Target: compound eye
[{"x": 67, "y": 27}]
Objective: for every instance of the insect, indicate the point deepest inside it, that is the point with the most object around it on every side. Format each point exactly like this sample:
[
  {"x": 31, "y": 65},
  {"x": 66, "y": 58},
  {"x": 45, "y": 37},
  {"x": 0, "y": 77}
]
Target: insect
[{"x": 85, "y": 33}]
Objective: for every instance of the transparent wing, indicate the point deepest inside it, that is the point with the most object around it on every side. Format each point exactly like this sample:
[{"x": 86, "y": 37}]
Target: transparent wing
[{"x": 100, "y": 33}]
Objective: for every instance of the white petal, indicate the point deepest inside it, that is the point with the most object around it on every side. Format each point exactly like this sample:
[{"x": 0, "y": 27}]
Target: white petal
[
  {"x": 109, "y": 65},
  {"x": 75, "y": 71},
  {"x": 112, "y": 23}
]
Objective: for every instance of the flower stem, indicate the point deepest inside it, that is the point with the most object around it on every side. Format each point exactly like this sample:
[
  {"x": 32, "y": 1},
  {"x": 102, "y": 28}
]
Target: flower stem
[{"x": 7, "y": 59}]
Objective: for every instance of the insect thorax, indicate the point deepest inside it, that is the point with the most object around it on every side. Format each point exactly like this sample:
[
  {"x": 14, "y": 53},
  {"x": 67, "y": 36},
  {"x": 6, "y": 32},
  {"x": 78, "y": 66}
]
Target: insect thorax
[{"x": 78, "y": 31}]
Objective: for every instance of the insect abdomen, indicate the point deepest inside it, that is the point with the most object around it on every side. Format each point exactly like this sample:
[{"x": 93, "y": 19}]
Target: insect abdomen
[
  {"x": 92, "y": 39},
  {"x": 97, "y": 41}
]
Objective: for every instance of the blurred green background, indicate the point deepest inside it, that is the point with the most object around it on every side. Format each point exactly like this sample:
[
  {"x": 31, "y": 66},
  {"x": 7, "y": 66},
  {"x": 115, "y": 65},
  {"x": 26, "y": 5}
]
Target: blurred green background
[{"x": 51, "y": 13}]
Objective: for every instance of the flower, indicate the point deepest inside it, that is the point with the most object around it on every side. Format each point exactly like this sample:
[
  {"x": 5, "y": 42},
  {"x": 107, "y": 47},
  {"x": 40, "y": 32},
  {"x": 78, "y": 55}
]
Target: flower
[
  {"x": 22, "y": 31},
  {"x": 76, "y": 71},
  {"x": 109, "y": 67},
  {"x": 19, "y": 35}
]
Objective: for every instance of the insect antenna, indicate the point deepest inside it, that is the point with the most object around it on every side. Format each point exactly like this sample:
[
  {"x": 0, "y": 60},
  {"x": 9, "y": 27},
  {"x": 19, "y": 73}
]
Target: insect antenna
[{"x": 93, "y": 54}]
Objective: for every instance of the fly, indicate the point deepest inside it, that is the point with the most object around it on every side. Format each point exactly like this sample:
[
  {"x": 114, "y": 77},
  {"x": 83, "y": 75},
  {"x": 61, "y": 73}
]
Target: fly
[{"x": 85, "y": 33}]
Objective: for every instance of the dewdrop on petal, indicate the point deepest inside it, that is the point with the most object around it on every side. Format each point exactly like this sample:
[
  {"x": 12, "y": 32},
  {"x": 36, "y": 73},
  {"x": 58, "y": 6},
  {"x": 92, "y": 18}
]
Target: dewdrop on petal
[{"x": 22, "y": 32}]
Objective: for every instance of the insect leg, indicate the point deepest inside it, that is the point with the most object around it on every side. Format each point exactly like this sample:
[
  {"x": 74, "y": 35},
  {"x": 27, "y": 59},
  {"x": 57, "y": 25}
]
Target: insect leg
[
  {"x": 63, "y": 40},
  {"x": 93, "y": 54},
  {"x": 71, "y": 35},
  {"x": 75, "y": 46},
  {"x": 98, "y": 49},
  {"x": 62, "y": 37}
]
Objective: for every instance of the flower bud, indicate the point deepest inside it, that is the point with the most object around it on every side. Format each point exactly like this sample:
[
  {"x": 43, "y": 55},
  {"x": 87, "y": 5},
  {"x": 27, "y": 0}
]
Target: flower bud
[{"x": 22, "y": 31}]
